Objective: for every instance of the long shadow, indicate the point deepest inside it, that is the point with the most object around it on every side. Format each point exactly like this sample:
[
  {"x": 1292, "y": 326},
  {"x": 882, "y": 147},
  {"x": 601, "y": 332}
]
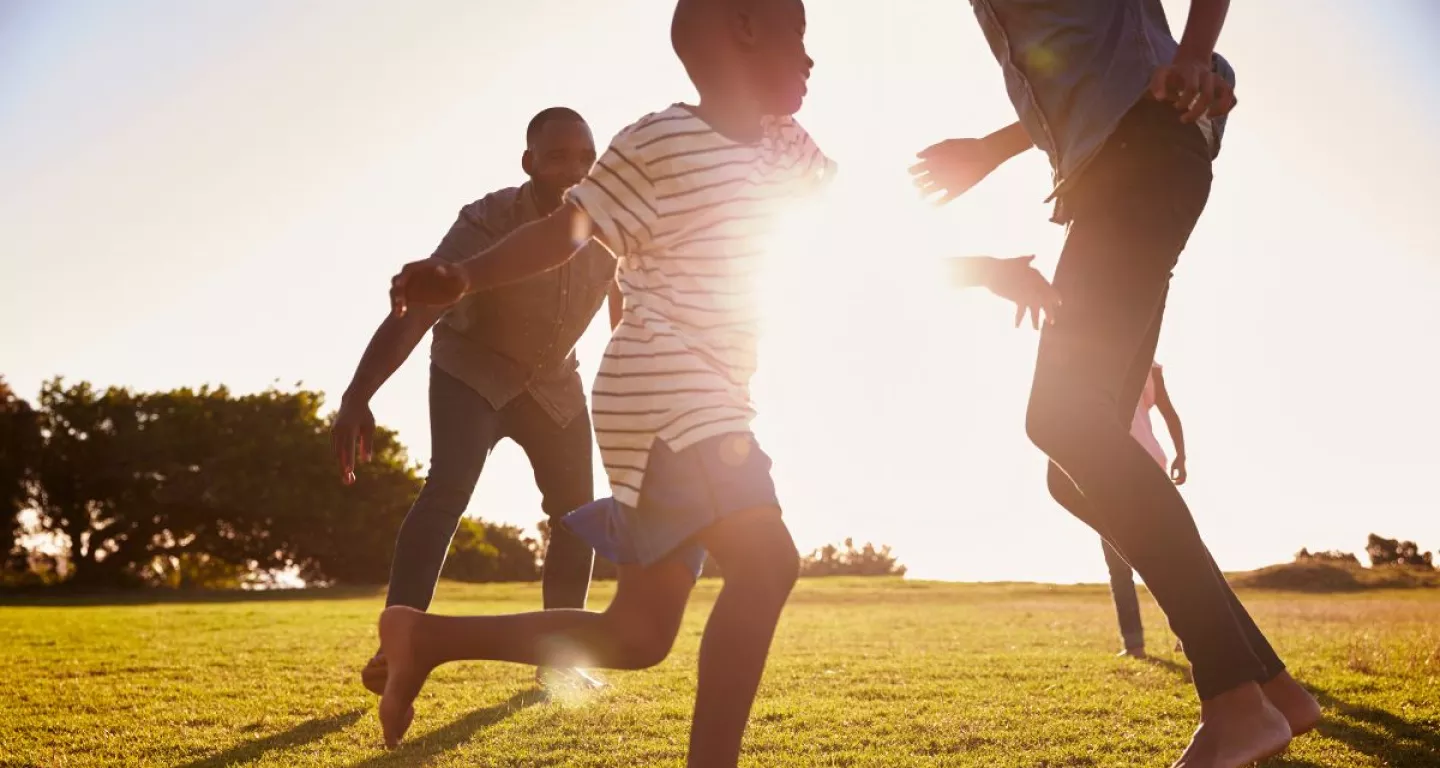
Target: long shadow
[
  {"x": 1391, "y": 739},
  {"x": 1180, "y": 670},
  {"x": 435, "y": 743},
  {"x": 62, "y": 597},
  {"x": 304, "y": 733}
]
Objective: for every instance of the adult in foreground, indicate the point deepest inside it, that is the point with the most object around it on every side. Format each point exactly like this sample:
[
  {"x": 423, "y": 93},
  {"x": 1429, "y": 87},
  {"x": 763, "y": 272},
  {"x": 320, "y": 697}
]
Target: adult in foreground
[{"x": 1131, "y": 121}]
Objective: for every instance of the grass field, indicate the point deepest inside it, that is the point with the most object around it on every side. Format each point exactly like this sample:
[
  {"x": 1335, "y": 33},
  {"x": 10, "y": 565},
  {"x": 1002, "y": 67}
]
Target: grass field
[{"x": 864, "y": 673}]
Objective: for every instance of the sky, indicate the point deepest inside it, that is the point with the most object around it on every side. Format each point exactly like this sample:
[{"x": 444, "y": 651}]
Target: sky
[{"x": 218, "y": 192}]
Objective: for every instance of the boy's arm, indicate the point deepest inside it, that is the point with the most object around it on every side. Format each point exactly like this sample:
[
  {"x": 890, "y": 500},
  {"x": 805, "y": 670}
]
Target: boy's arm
[
  {"x": 615, "y": 204},
  {"x": 534, "y": 248}
]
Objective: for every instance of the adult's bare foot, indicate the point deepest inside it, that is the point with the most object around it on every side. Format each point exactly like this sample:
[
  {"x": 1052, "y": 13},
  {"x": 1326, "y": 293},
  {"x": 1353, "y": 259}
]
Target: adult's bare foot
[
  {"x": 374, "y": 673},
  {"x": 1237, "y": 728},
  {"x": 1300, "y": 709},
  {"x": 406, "y": 673}
]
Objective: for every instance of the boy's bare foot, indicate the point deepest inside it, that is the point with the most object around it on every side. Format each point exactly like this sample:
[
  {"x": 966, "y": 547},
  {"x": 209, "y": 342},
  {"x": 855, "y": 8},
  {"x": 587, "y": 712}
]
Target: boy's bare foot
[
  {"x": 374, "y": 673},
  {"x": 406, "y": 673},
  {"x": 1237, "y": 728},
  {"x": 1300, "y": 709}
]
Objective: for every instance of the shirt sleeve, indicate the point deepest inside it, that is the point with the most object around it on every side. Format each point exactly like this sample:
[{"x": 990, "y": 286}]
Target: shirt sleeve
[
  {"x": 817, "y": 169},
  {"x": 619, "y": 197},
  {"x": 469, "y": 235}
]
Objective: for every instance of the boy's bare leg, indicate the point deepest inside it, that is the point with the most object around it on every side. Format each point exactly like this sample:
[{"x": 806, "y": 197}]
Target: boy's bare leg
[
  {"x": 758, "y": 560},
  {"x": 634, "y": 632}
]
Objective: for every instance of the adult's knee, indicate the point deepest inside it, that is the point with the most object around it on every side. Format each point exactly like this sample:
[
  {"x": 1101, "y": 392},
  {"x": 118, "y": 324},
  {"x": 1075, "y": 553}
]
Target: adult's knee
[
  {"x": 1063, "y": 491},
  {"x": 443, "y": 498}
]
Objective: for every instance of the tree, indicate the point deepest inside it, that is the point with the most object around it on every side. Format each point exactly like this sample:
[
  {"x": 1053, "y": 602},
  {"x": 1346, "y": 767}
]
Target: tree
[
  {"x": 1384, "y": 551},
  {"x": 19, "y": 451},
  {"x": 485, "y": 552},
  {"x": 139, "y": 483}
]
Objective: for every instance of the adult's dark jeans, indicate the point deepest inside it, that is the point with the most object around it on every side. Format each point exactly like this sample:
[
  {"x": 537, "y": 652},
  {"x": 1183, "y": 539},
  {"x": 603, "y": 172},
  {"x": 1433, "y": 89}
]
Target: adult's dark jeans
[
  {"x": 1131, "y": 215},
  {"x": 1127, "y": 600},
  {"x": 464, "y": 428}
]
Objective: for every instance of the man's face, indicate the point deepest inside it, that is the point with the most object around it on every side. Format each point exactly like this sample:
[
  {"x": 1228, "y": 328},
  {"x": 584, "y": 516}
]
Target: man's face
[{"x": 560, "y": 156}]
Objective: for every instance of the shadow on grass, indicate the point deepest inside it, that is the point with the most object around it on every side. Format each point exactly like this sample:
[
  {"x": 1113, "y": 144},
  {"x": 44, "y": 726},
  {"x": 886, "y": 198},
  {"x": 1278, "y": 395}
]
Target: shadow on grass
[
  {"x": 62, "y": 597},
  {"x": 433, "y": 744},
  {"x": 1181, "y": 671},
  {"x": 304, "y": 733},
  {"x": 1389, "y": 738}
]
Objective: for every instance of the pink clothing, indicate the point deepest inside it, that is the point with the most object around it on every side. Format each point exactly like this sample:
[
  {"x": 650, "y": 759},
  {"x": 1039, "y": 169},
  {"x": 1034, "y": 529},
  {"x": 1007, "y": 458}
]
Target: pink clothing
[{"x": 1140, "y": 427}]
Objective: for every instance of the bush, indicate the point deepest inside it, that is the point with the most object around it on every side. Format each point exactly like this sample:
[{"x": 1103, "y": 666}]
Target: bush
[
  {"x": 484, "y": 552},
  {"x": 1329, "y": 556},
  {"x": 1322, "y": 576}
]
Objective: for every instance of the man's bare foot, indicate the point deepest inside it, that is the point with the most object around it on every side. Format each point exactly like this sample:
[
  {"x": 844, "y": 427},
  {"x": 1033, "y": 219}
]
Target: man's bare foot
[
  {"x": 1237, "y": 728},
  {"x": 1137, "y": 652},
  {"x": 1300, "y": 709},
  {"x": 374, "y": 673},
  {"x": 406, "y": 673}
]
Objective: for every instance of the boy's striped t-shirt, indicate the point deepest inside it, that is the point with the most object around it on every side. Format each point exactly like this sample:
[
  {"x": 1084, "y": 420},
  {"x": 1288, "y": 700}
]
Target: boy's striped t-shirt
[{"x": 687, "y": 213}]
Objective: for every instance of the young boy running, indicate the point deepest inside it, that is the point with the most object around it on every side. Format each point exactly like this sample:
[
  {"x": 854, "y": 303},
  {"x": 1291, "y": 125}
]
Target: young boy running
[{"x": 684, "y": 198}]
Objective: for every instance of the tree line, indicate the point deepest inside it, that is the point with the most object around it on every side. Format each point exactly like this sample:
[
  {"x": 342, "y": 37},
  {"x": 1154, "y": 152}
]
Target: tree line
[{"x": 206, "y": 488}]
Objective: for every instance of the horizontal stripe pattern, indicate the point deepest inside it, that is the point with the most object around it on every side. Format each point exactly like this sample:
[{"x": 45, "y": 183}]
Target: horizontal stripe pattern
[{"x": 687, "y": 212}]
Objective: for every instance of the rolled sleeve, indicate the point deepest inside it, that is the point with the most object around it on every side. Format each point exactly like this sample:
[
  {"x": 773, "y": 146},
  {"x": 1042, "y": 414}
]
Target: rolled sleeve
[{"x": 619, "y": 199}]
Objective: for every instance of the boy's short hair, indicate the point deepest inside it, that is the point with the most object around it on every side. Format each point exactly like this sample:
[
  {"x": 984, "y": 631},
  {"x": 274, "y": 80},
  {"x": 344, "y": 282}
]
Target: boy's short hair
[{"x": 693, "y": 30}]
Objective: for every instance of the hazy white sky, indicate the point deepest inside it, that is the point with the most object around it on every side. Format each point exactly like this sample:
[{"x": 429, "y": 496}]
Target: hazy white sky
[{"x": 219, "y": 191}]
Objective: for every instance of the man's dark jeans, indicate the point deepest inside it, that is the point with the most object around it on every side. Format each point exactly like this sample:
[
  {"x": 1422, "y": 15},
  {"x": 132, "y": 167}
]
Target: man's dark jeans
[
  {"x": 464, "y": 428},
  {"x": 1132, "y": 213}
]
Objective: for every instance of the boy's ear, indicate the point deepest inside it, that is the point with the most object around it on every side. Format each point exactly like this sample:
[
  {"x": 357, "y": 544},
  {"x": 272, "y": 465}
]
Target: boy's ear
[{"x": 742, "y": 27}]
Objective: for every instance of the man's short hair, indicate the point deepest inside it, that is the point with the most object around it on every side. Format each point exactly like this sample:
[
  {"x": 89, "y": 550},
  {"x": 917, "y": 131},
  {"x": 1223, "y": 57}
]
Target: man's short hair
[{"x": 539, "y": 121}]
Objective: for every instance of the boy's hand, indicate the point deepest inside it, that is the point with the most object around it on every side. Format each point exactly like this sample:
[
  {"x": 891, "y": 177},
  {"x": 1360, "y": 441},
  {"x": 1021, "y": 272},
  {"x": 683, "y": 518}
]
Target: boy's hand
[
  {"x": 1177, "y": 470},
  {"x": 433, "y": 282},
  {"x": 954, "y": 166},
  {"x": 1016, "y": 280},
  {"x": 1192, "y": 85}
]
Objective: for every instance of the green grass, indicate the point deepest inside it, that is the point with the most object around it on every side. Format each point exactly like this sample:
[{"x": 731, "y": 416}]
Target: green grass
[{"x": 864, "y": 673}]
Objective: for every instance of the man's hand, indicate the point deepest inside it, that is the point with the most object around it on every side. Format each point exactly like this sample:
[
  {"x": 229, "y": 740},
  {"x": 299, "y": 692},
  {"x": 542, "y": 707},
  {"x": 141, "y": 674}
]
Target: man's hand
[
  {"x": 431, "y": 282},
  {"x": 1177, "y": 470},
  {"x": 353, "y": 436},
  {"x": 954, "y": 166},
  {"x": 1016, "y": 280},
  {"x": 1192, "y": 85}
]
